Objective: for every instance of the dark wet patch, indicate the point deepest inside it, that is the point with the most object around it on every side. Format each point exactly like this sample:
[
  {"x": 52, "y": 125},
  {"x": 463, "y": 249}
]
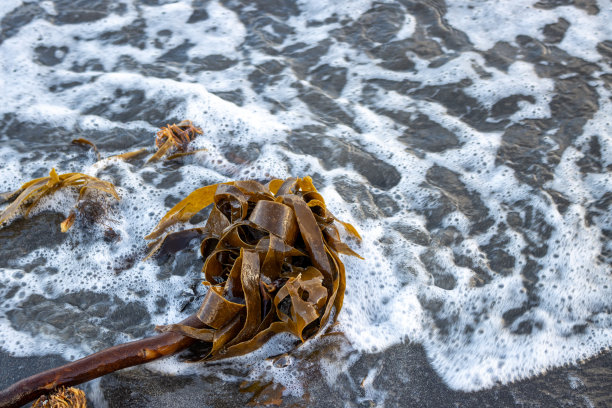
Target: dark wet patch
[
  {"x": 265, "y": 74},
  {"x": 605, "y": 49},
  {"x": 24, "y": 235},
  {"x": 551, "y": 61},
  {"x": 20, "y": 16},
  {"x": 330, "y": 80},
  {"x": 499, "y": 260},
  {"x": 141, "y": 387},
  {"x": 236, "y": 96},
  {"x": 393, "y": 56},
  {"x": 215, "y": 62},
  {"x": 352, "y": 191},
  {"x": 324, "y": 108},
  {"x": 241, "y": 155},
  {"x": 468, "y": 202},
  {"x": 127, "y": 63},
  {"x": 430, "y": 18},
  {"x": 380, "y": 23},
  {"x": 16, "y": 368},
  {"x": 133, "y": 34},
  {"x": 425, "y": 134},
  {"x": 413, "y": 234},
  {"x": 131, "y": 105},
  {"x": 171, "y": 179},
  {"x": 591, "y": 161},
  {"x": 458, "y": 103},
  {"x": 279, "y": 8},
  {"x": 93, "y": 64},
  {"x": 554, "y": 32},
  {"x": 524, "y": 148},
  {"x": 335, "y": 153},
  {"x": 177, "y": 55},
  {"x": 509, "y": 105},
  {"x": 50, "y": 56},
  {"x": 401, "y": 87},
  {"x": 38, "y": 314},
  {"x": 441, "y": 277},
  {"x": 79, "y": 11},
  {"x": 199, "y": 12},
  {"x": 590, "y": 6},
  {"x": 265, "y": 31},
  {"x": 501, "y": 56},
  {"x": 302, "y": 57}
]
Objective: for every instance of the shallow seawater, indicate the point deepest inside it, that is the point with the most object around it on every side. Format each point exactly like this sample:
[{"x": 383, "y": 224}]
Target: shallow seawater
[{"x": 470, "y": 142}]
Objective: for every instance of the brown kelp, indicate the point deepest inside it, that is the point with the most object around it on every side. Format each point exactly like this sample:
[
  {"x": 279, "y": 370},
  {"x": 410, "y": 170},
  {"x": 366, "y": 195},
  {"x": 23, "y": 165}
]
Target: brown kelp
[
  {"x": 26, "y": 198},
  {"x": 271, "y": 264},
  {"x": 175, "y": 139},
  {"x": 62, "y": 398}
]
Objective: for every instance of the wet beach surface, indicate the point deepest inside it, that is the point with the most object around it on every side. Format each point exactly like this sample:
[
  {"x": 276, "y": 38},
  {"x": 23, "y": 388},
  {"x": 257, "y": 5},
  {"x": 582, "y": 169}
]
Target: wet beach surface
[{"x": 469, "y": 142}]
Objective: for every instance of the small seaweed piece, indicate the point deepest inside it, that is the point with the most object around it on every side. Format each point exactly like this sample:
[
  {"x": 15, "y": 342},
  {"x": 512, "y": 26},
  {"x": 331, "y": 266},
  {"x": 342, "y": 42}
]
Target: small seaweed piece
[
  {"x": 62, "y": 398},
  {"x": 83, "y": 141},
  {"x": 129, "y": 155},
  {"x": 30, "y": 194},
  {"x": 175, "y": 137}
]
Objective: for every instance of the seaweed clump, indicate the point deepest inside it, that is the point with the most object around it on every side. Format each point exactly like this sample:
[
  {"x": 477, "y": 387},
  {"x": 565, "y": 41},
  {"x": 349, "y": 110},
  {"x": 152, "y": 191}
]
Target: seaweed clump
[
  {"x": 62, "y": 398},
  {"x": 29, "y": 195},
  {"x": 272, "y": 265},
  {"x": 271, "y": 262},
  {"x": 175, "y": 138}
]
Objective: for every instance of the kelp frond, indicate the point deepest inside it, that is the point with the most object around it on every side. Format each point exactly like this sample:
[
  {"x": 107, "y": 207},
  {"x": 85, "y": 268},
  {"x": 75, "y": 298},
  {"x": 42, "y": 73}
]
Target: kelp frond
[
  {"x": 62, "y": 398},
  {"x": 271, "y": 262},
  {"x": 30, "y": 194},
  {"x": 175, "y": 138}
]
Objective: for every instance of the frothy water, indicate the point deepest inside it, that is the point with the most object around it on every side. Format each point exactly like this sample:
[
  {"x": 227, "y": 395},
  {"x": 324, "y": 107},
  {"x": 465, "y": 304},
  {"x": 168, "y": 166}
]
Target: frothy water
[{"x": 470, "y": 144}]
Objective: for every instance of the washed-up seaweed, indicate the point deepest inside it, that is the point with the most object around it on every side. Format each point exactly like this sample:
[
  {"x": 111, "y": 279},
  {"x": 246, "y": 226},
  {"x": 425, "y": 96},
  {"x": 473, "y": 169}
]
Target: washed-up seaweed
[
  {"x": 62, "y": 398},
  {"x": 271, "y": 265},
  {"x": 29, "y": 195},
  {"x": 271, "y": 262},
  {"x": 173, "y": 140}
]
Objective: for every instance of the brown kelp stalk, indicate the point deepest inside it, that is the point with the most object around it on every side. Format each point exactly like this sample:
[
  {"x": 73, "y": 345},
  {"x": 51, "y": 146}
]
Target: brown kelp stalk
[
  {"x": 96, "y": 365},
  {"x": 272, "y": 265}
]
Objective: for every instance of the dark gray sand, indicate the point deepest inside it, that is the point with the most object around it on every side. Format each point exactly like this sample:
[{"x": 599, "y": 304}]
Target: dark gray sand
[{"x": 403, "y": 373}]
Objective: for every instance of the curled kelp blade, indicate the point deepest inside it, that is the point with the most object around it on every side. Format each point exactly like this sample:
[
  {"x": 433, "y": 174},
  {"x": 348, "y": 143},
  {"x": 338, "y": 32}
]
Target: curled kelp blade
[
  {"x": 32, "y": 192},
  {"x": 271, "y": 262}
]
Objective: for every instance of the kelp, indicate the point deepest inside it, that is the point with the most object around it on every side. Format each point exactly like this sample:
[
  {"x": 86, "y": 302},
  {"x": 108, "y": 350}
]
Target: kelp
[
  {"x": 171, "y": 142},
  {"x": 175, "y": 139},
  {"x": 85, "y": 142},
  {"x": 62, "y": 398},
  {"x": 271, "y": 262},
  {"x": 29, "y": 195}
]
